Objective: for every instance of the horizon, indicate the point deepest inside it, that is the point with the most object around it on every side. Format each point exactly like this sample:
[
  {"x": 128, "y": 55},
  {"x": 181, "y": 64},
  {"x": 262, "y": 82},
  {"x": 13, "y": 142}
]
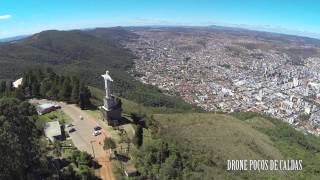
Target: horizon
[
  {"x": 22, "y": 36},
  {"x": 284, "y": 17}
]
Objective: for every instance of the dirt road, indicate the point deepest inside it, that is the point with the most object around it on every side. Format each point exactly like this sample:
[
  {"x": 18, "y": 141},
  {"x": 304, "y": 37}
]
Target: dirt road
[{"x": 84, "y": 140}]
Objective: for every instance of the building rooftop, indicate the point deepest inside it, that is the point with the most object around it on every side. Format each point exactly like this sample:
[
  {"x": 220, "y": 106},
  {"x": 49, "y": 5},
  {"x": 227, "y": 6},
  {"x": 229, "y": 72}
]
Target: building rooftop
[
  {"x": 45, "y": 106},
  {"x": 52, "y": 129}
]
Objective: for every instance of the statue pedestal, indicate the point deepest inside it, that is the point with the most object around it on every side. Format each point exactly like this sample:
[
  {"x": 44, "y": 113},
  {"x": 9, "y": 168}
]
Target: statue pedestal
[
  {"x": 112, "y": 117},
  {"x": 111, "y": 111}
]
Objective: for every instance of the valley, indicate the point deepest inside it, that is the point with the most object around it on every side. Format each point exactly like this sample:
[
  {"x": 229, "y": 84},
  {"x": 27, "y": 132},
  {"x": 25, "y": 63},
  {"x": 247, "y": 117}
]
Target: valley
[{"x": 233, "y": 70}]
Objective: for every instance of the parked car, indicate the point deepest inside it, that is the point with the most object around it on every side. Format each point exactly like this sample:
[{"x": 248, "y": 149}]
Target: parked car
[
  {"x": 96, "y": 133},
  {"x": 72, "y": 130},
  {"x": 69, "y": 125},
  {"x": 97, "y": 130}
]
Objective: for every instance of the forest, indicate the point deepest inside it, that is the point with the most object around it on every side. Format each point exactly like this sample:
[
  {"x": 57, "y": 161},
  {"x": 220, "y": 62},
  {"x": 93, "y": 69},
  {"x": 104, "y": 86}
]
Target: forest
[
  {"x": 47, "y": 84},
  {"x": 85, "y": 54}
]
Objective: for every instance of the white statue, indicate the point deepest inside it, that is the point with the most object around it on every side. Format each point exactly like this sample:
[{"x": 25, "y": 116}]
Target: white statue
[
  {"x": 111, "y": 108},
  {"x": 107, "y": 80}
]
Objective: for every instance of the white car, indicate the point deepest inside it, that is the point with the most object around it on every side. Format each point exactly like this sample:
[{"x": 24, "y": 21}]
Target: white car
[
  {"x": 96, "y": 130},
  {"x": 96, "y": 133}
]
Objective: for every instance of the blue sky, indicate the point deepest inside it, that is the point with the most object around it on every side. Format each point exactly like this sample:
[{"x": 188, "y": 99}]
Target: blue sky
[{"x": 18, "y": 17}]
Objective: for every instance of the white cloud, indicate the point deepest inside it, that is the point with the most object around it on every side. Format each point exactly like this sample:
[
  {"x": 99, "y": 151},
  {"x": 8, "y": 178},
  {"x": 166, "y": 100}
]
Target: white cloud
[
  {"x": 2, "y": 33},
  {"x": 6, "y": 16}
]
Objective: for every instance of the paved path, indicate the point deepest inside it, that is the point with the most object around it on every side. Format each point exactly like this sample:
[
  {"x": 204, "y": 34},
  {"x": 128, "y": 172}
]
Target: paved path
[{"x": 84, "y": 140}]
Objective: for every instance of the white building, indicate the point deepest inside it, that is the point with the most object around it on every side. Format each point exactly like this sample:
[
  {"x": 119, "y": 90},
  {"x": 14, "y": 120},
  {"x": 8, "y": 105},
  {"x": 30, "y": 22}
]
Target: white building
[{"x": 52, "y": 130}]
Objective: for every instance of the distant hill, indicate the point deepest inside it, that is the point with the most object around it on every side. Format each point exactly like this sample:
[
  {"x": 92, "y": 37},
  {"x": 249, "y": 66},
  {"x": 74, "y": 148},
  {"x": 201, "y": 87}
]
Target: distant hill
[
  {"x": 114, "y": 34},
  {"x": 66, "y": 51},
  {"x": 15, "y": 38},
  {"x": 86, "y": 54}
]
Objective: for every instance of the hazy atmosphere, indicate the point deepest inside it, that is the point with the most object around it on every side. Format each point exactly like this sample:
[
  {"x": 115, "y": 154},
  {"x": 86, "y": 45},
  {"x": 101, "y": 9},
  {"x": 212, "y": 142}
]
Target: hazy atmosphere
[{"x": 299, "y": 17}]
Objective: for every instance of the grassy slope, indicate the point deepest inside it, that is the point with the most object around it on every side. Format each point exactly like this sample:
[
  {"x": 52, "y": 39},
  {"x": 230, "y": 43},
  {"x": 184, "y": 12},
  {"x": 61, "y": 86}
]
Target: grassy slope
[
  {"x": 236, "y": 136},
  {"x": 129, "y": 106},
  {"x": 221, "y": 137}
]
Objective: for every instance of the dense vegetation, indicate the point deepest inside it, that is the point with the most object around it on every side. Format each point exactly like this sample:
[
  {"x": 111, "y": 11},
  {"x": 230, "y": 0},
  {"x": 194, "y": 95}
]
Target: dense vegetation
[
  {"x": 26, "y": 155},
  {"x": 20, "y": 155},
  {"x": 49, "y": 85},
  {"x": 7, "y": 90},
  {"x": 79, "y": 166},
  {"x": 85, "y": 54}
]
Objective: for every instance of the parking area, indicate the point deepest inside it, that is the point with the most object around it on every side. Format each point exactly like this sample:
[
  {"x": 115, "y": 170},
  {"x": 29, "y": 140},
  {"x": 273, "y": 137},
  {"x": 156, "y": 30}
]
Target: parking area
[{"x": 83, "y": 137}]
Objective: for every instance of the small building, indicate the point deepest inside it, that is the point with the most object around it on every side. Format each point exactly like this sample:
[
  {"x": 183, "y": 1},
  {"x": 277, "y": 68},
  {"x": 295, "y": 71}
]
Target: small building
[
  {"x": 46, "y": 108},
  {"x": 52, "y": 131}
]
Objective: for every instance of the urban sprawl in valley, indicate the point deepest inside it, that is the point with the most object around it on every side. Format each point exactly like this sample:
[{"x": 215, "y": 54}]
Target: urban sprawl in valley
[{"x": 234, "y": 70}]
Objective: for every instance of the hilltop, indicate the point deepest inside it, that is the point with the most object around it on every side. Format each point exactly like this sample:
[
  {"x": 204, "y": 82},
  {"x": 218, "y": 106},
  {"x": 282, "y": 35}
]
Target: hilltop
[
  {"x": 67, "y": 51},
  {"x": 86, "y": 54}
]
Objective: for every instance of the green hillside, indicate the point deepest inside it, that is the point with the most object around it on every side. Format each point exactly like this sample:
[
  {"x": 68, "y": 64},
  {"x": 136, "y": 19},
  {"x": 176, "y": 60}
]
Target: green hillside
[
  {"x": 205, "y": 141},
  {"x": 68, "y": 51},
  {"x": 86, "y": 54}
]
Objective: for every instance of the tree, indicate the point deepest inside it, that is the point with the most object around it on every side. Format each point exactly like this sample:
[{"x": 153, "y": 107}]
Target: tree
[
  {"x": 19, "y": 155},
  {"x": 75, "y": 93},
  {"x": 109, "y": 144},
  {"x": 26, "y": 82},
  {"x": 85, "y": 96},
  {"x": 85, "y": 159},
  {"x": 68, "y": 173},
  {"x": 81, "y": 158},
  {"x": 3, "y": 86},
  {"x": 52, "y": 86},
  {"x": 45, "y": 87},
  {"x": 35, "y": 90},
  {"x": 9, "y": 87},
  {"x": 18, "y": 93},
  {"x": 65, "y": 91},
  {"x": 57, "y": 148},
  {"x": 85, "y": 173},
  {"x": 139, "y": 136}
]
